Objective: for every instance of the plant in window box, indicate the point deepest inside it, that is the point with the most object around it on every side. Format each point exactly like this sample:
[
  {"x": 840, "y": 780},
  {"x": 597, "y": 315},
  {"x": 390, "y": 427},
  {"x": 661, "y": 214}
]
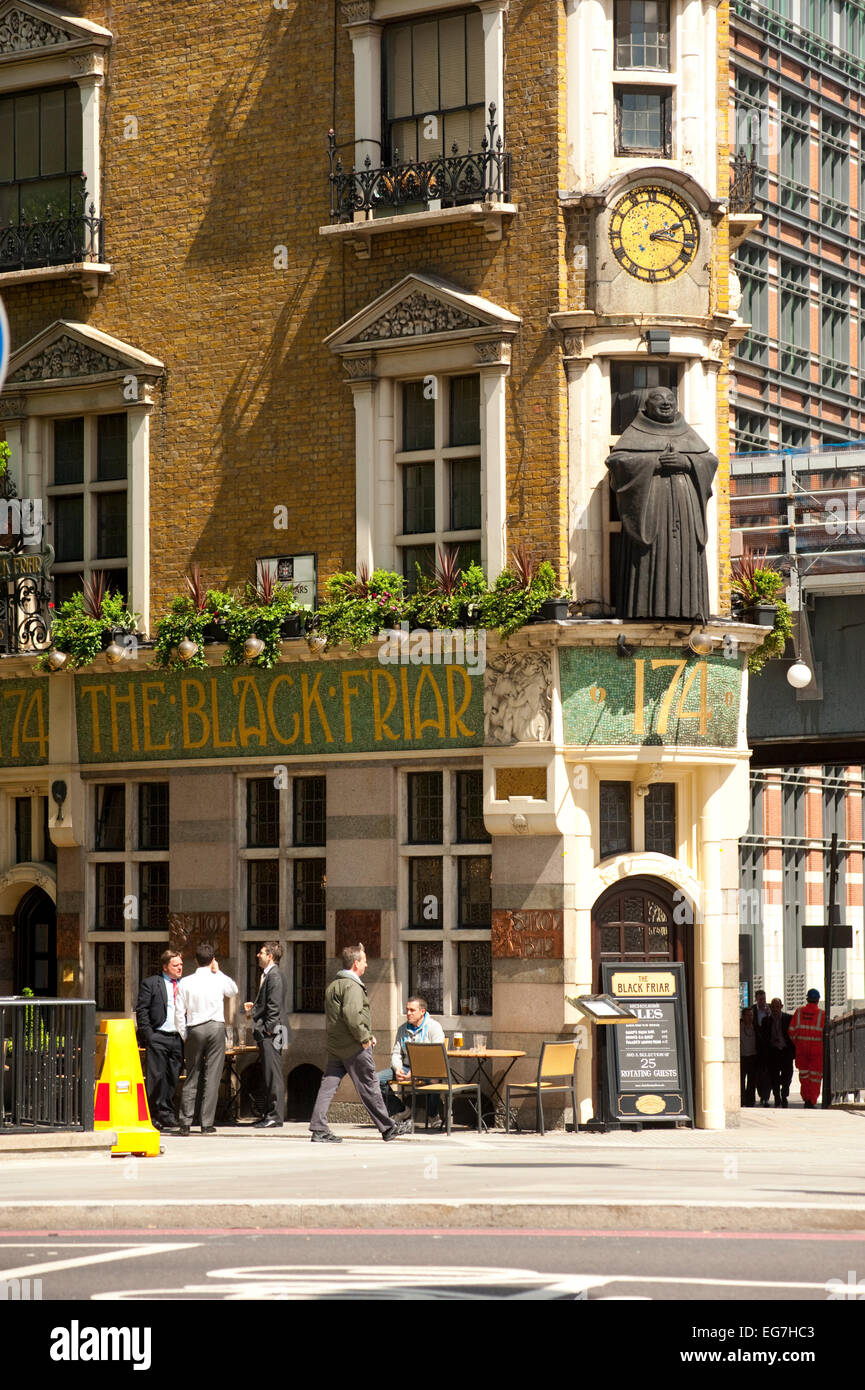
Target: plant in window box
[
  {"x": 256, "y": 629},
  {"x": 210, "y": 605},
  {"x": 755, "y": 589},
  {"x": 358, "y": 606},
  {"x": 269, "y": 593},
  {"x": 8, "y": 536},
  {"x": 87, "y": 623},
  {"x": 520, "y": 592},
  {"x": 180, "y": 635},
  {"x": 447, "y": 596}
]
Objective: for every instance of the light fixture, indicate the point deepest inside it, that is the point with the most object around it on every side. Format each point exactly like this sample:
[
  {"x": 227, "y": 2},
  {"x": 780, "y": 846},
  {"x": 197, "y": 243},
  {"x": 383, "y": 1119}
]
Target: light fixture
[
  {"x": 658, "y": 341},
  {"x": 57, "y": 659},
  {"x": 701, "y": 642},
  {"x": 316, "y": 642},
  {"x": 58, "y": 793},
  {"x": 252, "y": 647},
  {"x": 186, "y": 649},
  {"x": 622, "y": 648},
  {"x": 114, "y": 653},
  {"x": 799, "y": 675}
]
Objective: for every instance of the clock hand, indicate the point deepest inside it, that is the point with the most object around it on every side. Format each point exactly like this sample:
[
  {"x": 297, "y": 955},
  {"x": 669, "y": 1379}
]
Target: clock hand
[{"x": 665, "y": 233}]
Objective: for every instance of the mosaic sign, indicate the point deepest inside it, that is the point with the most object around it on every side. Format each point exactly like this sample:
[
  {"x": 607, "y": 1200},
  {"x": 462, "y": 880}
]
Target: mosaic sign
[
  {"x": 301, "y": 708},
  {"x": 659, "y": 696},
  {"x": 23, "y": 723},
  {"x": 533, "y": 934}
]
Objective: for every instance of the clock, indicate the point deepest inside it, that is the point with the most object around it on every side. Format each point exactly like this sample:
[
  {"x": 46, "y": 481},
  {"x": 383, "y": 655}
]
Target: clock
[{"x": 654, "y": 234}]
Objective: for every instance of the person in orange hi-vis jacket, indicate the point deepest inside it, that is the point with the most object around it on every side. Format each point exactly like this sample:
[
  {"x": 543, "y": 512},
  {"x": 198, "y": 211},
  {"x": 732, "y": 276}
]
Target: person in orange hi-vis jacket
[{"x": 806, "y": 1032}]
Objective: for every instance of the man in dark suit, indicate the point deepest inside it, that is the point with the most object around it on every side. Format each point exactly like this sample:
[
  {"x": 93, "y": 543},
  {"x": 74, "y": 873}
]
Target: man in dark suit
[
  {"x": 157, "y": 1031},
  {"x": 779, "y": 1051},
  {"x": 271, "y": 1032}
]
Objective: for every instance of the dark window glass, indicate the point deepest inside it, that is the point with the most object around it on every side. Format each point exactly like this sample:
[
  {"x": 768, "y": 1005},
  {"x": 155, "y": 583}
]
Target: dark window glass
[
  {"x": 309, "y": 977},
  {"x": 310, "y": 810},
  {"x": 148, "y": 958},
  {"x": 153, "y": 893},
  {"x": 629, "y": 384},
  {"x": 418, "y": 417},
  {"x": 643, "y": 120},
  {"x": 310, "y": 879},
  {"x": 110, "y": 977},
  {"x": 418, "y": 498},
  {"x": 262, "y": 814},
  {"x": 110, "y": 817},
  {"x": 642, "y": 34},
  {"x": 40, "y": 167},
  {"x": 23, "y": 830},
  {"x": 615, "y": 817},
  {"x": 470, "y": 809},
  {"x": 69, "y": 528},
  {"x": 111, "y": 449},
  {"x": 465, "y": 410},
  {"x": 434, "y": 67},
  {"x": 423, "y": 556},
  {"x": 465, "y": 499},
  {"x": 153, "y": 815},
  {"x": 425, "y": 893},
  {"x": 69, "y": 451},
  {"x": 110, "y": 525},
  {"x": 49, "y": 849},
  {"x": 65, "y": 585},
  {"x": 476, "y": 977},
  {"x": 110, "y": 892},
  {"x": 474, "y": 891},
  {"x": 660, "y": 804},
  {"x": 425, "y": 973},
  {"x": 263, "y": 895},
  {"x": 425, "y": 808}
]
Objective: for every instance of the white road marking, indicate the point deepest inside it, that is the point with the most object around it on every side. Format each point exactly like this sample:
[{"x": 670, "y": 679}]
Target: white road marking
[{"x": 55, "y": 1266}]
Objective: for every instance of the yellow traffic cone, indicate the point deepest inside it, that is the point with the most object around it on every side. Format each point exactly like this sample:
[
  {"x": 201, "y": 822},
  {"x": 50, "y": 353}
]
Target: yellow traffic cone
[{"x": 121, "y": 1100}]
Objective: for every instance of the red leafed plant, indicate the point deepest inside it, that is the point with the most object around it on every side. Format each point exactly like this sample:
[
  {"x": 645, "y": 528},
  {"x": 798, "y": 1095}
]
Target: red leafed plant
[
  {"x": 93, "y": 594},
  {"x": 196, "y": 589}
]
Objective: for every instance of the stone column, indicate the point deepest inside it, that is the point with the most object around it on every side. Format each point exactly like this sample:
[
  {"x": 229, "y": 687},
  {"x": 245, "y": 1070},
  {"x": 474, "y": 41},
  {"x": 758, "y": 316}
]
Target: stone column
[
  {"x": 494, "y": 359},
  {"x": 494, "y": 12},
  {"x": 360, "y": 371},
  {"x": 366, "y": 42}
]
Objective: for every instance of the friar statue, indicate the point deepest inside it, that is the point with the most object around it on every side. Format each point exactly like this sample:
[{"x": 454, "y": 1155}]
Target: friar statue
[{"x": 661, "y": 472}]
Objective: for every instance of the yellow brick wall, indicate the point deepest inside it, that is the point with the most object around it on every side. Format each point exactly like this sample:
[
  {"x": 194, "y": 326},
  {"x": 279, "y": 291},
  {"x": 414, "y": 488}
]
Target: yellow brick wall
[{"x": 233, "y": 105}]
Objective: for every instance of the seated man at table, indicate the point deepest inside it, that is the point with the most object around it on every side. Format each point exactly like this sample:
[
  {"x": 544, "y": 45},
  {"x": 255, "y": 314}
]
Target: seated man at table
[{"x": 419, "y": 1027}]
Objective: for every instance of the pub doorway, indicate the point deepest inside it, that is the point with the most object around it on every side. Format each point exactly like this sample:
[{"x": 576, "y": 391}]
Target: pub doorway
[
  {"x": 640, "y": 919},
  {"x": 36, "y": 945}
]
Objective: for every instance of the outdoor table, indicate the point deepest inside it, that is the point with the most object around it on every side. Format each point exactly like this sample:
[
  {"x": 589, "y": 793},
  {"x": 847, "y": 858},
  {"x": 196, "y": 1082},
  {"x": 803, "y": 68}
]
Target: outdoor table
[
  {"x": 231, "y": 1080},
  {"x": 482, "y": 1056}
]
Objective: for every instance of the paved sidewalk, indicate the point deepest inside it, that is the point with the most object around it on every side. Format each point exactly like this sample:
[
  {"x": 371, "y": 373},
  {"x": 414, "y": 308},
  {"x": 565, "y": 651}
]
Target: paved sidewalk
[{"x": 787, "y": 1170}]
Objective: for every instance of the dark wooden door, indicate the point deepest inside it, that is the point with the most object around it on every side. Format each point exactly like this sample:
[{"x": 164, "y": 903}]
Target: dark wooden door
[{"x": 36, "y": 945}]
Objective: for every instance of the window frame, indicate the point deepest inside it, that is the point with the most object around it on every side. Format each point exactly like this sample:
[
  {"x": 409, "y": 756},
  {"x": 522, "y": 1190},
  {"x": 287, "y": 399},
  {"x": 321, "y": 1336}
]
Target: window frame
[
  {"x": 618, "y": 7},
  {"x": 666, "y": 93},
  {"x": 90, "y": 489}
]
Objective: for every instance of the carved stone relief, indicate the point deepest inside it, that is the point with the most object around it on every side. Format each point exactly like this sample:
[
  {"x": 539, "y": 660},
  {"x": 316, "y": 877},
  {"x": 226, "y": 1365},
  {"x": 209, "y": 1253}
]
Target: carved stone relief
[
  {"x": 488, "y": 353},
  {"x": 518, "y": 698},
  {"x": 66, "y": 358},
  {"x": 13, "y": 407},
  {"x": 20, "y": 32},
  {"x": 186, "y": 930},
  {"x": 529, "y": 934},
  {"x": 417, "y": 316},
  {"x": 357, "y": 368},
  {"x": 357, "y": 11},
  {"x": 359, "y": 924}
]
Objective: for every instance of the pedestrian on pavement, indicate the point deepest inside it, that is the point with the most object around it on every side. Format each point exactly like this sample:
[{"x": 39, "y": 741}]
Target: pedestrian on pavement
[
  {"x": 271, "y": 1032},
  {"x": 779, "y": 1051},
  {"x": 747, "y": 1057},
  {"x": 200, "y": 1018},
  {"x": 350, "y": 1042},
  {"x": 419, "y": 1027},
  {"x": 761, "y": 1013},
  {"x": 806, "y": 1032},
  {"x": 157, "y": 1032}
]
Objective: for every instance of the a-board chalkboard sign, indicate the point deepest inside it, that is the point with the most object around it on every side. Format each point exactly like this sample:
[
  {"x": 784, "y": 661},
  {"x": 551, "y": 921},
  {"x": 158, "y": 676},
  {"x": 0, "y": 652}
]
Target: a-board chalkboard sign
[{"x": 648, "y": 1070}]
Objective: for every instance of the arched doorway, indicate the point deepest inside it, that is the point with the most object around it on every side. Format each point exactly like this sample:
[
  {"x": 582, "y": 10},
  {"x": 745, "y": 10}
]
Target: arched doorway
[{"x": 36, "y": 944}]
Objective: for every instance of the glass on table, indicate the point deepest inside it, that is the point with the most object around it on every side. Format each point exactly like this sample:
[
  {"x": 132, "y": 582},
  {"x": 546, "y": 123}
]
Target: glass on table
[{"x": 480, "y": 1042}]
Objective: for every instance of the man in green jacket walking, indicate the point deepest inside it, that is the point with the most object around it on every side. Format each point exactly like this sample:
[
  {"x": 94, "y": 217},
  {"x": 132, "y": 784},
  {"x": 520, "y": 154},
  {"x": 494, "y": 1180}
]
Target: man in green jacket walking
[{"x": 349, "y": 1051}]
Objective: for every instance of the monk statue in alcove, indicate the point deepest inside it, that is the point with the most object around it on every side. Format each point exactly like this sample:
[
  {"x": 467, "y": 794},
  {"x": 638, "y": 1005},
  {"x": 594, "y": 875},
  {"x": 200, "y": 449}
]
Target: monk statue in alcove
[{"x": 661, "y": 472}]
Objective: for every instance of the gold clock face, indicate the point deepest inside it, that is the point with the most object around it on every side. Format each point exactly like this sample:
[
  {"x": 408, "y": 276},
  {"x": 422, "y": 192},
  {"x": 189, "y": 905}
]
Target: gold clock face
[{"x": 654, "y": 234}]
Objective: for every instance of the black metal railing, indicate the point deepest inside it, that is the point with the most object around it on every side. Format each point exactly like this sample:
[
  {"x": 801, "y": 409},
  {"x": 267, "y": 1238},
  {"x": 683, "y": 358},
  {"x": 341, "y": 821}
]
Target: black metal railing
[
  {"x": 446, "y": 180},
  {"x": 742, "y": 181},
  {"x": 47, "y": 1053},
  {"x": 847, "y": 1055},
  {"x": 59, "y": 238}
]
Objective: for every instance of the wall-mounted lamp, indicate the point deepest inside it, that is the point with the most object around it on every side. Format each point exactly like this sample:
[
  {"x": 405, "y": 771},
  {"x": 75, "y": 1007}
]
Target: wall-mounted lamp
[
  {"x": 186, "y": 649},
  {"x": 252, "y": 647},
  {"x": 316, "y": 642},
  {"x": 700, "y": 642},
  {"x": 799, "y": 675},
  {"x": 57, "y": 659},
  {"x": 114, "y": 653},
  {"x": 658, "y": 341},
  {"x": 622, "y": 648},
  {"x": 58, "y": 792}
]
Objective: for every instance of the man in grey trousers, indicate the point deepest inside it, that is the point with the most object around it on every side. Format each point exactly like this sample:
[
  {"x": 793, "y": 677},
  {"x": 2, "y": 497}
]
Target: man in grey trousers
[
  {"x": 349, "y": 1051},
  {"x": 200, "y": 1019}
]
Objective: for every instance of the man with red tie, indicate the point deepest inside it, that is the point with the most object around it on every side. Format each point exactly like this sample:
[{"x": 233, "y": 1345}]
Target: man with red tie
[{"x": 158, "y": 1032}]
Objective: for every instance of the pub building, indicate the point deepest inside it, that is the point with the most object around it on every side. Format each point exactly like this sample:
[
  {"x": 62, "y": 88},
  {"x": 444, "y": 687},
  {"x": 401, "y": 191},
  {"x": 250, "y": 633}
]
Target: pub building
[{"x": 437, "y": 347}]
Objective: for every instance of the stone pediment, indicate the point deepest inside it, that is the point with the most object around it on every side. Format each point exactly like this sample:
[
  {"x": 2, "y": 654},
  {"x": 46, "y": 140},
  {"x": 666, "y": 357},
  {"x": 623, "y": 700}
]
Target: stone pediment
[
  {"x": 68, "y": 351},
  {"x": 422, "y": 307},
  {"x": 27, "y": 29}
]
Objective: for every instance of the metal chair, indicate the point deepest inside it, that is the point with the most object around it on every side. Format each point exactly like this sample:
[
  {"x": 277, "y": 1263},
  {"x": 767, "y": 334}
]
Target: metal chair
[
  {"x": 430, "y": 1071},
  {"x": 557, "y": 1066}
]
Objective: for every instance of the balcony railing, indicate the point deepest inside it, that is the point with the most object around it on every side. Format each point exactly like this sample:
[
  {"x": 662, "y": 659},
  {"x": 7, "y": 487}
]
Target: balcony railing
[
  {"x": 742, "y": 190},
  {"x": 59, "y": 238},
  {"x": 407, "y": 186}
]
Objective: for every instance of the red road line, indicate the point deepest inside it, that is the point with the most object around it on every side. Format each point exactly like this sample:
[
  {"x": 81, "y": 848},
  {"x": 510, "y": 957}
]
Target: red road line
[{"x": 570, "y": 1234}]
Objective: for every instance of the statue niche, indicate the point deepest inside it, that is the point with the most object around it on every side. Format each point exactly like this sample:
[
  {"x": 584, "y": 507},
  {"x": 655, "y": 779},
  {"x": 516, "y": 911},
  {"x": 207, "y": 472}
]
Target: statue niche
[{"x": 661, "y": 472}]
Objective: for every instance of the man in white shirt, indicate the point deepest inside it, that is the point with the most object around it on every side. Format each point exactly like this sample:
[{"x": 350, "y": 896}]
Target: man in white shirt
[{"x": 200, "y": 1019}]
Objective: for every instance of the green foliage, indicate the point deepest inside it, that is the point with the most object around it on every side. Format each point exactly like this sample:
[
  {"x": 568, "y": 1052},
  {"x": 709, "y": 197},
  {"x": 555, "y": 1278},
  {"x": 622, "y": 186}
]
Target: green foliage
[
  {"x": 5, "y": 456},
  {"x": 756, "y": 582},
  {"x": 182, "y": 621},
  {"x": 356, "y": 608},
  {"x": 79, "y": 634},
  {"x": 262, "y": 616},
  {"x": 437, "y": 604},
  {"x": 775, "y": 643},
  {"x": 509, "y": 604}
]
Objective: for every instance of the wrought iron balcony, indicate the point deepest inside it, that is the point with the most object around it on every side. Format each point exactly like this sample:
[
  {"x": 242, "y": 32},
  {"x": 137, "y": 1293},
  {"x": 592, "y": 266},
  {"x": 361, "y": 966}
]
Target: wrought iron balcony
[
  {"x": 743, "y": 179},
  {"x": 26, "y": 588},
  {"x": 73, "y": 237},
  {"x": 406, "y": 186}
]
